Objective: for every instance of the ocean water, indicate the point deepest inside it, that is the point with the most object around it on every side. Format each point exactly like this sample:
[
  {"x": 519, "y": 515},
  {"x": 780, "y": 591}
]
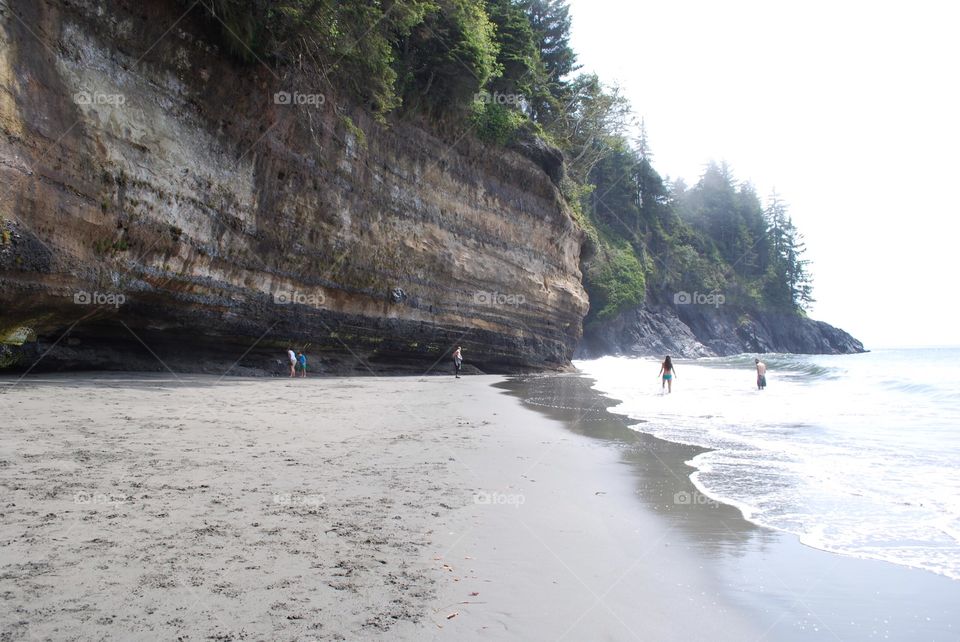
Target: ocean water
[{"x": 855, "y": 454}]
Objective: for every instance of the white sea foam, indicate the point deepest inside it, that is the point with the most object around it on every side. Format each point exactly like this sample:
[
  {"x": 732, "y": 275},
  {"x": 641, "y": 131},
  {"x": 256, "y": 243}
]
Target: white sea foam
[{"x": 855, "y": 454}]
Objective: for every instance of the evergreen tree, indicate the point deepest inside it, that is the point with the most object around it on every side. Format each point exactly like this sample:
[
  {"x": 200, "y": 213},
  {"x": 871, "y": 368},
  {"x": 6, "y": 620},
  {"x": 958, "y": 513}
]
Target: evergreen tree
[
  {"x": 613, "y": 199},
  {"x": 518, "y": 55},
  {"x": 797, "y": 275},
  {"x": 776, "y": 217},
  {"x": 550, "y": 21},
  {"x": 750, "y": 245},
  {"x": 643, "y": 143},
  {"x": 711, "y": 207},
  {"x": 788, "y": 282}
]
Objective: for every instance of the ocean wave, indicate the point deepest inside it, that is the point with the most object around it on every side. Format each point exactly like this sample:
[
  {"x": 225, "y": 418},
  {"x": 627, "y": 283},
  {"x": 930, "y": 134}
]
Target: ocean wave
[{"x": 784, "y": 363}]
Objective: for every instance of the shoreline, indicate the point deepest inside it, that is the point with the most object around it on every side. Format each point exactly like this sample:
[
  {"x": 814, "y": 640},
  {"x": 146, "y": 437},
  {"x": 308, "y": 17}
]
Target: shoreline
[
  {"x": 807, "y": 589},
  {"x": 380, "y": 506},
  {"x": 743, "y": 510}
]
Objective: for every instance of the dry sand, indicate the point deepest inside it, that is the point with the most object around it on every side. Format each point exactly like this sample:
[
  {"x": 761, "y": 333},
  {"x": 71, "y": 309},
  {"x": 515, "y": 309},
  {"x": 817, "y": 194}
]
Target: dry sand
[{"x": 413, "y": 508}]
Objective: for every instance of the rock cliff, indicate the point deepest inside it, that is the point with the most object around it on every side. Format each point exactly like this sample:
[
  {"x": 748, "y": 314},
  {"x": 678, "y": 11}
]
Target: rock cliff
[
  {"x": 705, "y": 331},
  {"x": 163, "y": 206}
]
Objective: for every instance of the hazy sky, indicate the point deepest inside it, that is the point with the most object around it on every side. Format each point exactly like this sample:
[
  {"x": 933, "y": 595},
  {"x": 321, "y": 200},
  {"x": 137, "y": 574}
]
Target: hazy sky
[{"x": 848, "y": 109}]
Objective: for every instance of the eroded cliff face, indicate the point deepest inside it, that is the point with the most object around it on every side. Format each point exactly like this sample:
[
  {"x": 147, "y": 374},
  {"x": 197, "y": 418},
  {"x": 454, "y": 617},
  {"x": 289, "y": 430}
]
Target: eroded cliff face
[{"x": 160, "y": 208}]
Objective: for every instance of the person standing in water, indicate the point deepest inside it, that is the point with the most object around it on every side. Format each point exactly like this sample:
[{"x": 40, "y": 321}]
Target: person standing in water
[
  {"x": 292, "y": 358},
  {"x": 761, "y": 374},
  {"x": 457, "y": 361},
  {"x": 667, "y": 371}
]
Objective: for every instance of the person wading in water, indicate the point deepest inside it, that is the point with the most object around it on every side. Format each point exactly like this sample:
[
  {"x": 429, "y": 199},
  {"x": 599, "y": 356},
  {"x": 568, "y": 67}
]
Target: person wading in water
[
  {"x": 668, "y": 372},
  {"x": 761, "y": 374}
]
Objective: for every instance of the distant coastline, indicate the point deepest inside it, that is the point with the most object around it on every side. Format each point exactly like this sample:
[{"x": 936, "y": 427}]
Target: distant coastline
[{"x": 705, "y": 331}]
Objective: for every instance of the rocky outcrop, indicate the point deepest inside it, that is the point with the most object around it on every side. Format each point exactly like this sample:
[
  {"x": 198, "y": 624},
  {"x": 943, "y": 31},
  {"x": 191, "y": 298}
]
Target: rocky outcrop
[
  {"x": 164, "y": 207},
  {"x": 701, "y": 331}
]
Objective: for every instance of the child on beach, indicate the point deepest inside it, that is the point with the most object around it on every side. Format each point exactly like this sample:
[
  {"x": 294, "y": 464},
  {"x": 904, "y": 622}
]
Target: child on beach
[
  {"x": 302, "y": 364},
  {"x": 668, "y": 372}
]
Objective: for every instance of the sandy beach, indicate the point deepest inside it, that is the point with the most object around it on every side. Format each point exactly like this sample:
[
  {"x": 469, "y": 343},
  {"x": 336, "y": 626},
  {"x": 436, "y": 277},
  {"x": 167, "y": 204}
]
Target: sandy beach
[
  {"x": 319, "y": 508},
  {"x": 191, "y": 507}
]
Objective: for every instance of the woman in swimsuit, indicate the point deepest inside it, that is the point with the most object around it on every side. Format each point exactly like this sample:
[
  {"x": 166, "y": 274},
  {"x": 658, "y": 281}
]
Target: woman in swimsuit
[{"x": 668, "y": 372}]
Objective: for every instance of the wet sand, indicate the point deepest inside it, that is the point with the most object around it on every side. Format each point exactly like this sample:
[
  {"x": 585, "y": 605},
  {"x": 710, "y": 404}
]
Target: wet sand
[
  {"x": 394, "y": 508},
  {"x": 787, "y": 590}
]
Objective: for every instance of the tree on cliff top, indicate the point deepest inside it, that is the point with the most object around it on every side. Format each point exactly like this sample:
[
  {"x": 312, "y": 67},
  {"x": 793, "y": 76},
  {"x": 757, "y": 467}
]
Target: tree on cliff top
[
  {"x": 521, "y": 69},
  {"x": 550, "y": 21},
  {"x": 787, "y": 281},
  {"x": 449, "y": 57}
]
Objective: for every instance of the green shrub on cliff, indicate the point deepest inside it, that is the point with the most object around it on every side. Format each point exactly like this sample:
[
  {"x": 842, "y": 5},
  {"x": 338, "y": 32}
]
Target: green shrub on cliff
[
  {"x": 615, "y": 280},
  {"x": 434, "y": 54},
  {"x": 495, "y": 123},
  {"x": 449, "y": 57},
  {"x": 349, "y": 45}
]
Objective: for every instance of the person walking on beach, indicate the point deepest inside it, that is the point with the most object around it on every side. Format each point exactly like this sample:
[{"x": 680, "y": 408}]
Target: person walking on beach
[
  {"x": 457, "y": 361},
  {"x": 302, "y": 363},
  {"x": 667, "y": 371},
  {"x": 761, "y": 374},
  {"x": 292, "y": 358}
]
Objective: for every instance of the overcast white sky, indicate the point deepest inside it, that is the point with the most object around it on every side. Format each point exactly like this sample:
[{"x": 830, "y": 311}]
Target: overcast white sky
[{"x": 849, "y": 109}]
